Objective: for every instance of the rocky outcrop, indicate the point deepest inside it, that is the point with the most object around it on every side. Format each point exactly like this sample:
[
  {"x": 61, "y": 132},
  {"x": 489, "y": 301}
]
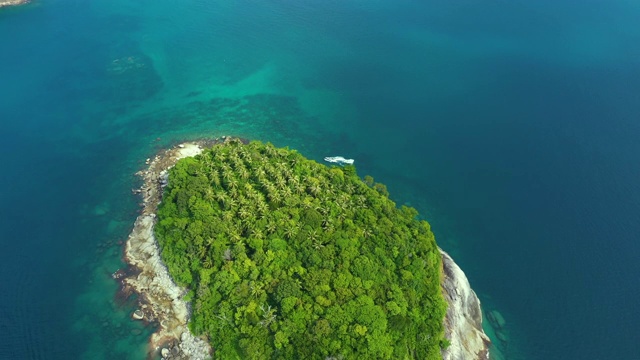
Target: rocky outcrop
[
  {"x": 4, "y": 3},
  {"x": 463, "y": 322}
]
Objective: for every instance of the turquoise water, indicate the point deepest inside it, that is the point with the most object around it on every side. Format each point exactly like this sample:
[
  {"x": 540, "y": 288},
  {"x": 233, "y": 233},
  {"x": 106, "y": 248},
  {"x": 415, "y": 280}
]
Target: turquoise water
[{"x": 512, "y": 126}]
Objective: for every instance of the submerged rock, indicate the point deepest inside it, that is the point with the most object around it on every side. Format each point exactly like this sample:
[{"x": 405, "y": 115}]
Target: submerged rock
[
  {"x": 463, "y": 322},
  {"x": 138, "y": 315},
  {"x": 497, "y": 319},
  {"x": 501, "y": 336}
]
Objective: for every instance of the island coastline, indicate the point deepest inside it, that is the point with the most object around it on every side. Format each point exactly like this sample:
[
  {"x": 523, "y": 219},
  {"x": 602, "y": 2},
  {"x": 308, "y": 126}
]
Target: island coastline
[{"x": 161, "y": 300}]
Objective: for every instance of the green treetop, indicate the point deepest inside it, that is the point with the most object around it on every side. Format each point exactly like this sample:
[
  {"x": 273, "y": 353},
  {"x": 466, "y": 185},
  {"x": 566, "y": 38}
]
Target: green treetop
[{"x": 286, "y": 258}]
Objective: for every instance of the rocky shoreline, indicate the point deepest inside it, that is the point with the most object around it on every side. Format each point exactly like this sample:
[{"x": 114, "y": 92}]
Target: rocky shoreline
[
  {"x": 4, "y": 3},
  {"x": 463, "y": 322},
  {"x": 161, "y": 300}
]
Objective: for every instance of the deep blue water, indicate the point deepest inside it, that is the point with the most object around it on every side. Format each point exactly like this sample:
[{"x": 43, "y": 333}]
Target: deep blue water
[{"x": 512, "y": 126}]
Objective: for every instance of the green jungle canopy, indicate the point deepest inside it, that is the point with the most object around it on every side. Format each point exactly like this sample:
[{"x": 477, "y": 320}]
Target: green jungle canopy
[{"x": 286, "y": 258}]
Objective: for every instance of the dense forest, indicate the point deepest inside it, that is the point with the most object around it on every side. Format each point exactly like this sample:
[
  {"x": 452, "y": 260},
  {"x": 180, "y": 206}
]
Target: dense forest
[{"x": 286, "y": 258}]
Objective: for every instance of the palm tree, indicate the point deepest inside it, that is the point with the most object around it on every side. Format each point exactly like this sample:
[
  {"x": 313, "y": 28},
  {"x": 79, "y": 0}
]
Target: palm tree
[
  {"x": 314, "y": 189},
  {"x": 294, "y": 181},
  {"x": 313, "y": 235},
  {"x": 349, "y": 188},
  {"x": 275, "y": 197},
  {"x": 228, "y": 215},
  {"x": 231, "y": 202},
  {"x": 248, "y": 225},
  {"x": 226, "y": 174},
  {"x": 233, "y": 183},
  {"x": 244, "y": 213},
  {"x": 238, "y": 164},
  {"x": 257, "y": 233},
  {"x": 256, "y": 289},
  {"x": 209, "y": 195},
  {"x": 328, "y": 227},
  {"x": 321, "y": 209},
  {"x": 235, "y": 235},
  {"x": 327, "y": 223},
  {"x": 215, "y": 177},
  {"x": 269, "y": 187},
  {"x": 290, "y": 232},
  {"x": 210, "y": 241},
  {"x": 244, "y": 153},
  {"x": 271, "y": 227},
  {"x": 202, "y": 251},
  {"x": 257, "y": 197},
  {"x": 244, "y": 173},
  {"x": 268, "y": 149},
  {"x": 263, "y": 208},
  {"x": 282, "y": 152},
  {"x": 288, "y": 174},
  {"x": 242, "y": 201},
  {"x": 219, "y": 156}
]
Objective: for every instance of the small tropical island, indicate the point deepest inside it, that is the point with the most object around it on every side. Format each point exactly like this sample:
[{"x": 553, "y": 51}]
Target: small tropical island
[{"x": 248, "y": 251}]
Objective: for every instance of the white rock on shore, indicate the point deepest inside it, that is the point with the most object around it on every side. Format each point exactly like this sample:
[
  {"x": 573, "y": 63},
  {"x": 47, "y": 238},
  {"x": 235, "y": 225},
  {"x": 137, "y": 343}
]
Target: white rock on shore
[{"x": 463, "y": 322}]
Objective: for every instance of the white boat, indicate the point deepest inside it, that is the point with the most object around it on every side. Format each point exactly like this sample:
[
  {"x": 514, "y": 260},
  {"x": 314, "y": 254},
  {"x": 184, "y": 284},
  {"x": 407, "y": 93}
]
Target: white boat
[{"x": 339, "y": 160}]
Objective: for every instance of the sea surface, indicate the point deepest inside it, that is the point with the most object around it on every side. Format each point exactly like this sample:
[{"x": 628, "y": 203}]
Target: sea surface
[{"x": 512, "y": 126}]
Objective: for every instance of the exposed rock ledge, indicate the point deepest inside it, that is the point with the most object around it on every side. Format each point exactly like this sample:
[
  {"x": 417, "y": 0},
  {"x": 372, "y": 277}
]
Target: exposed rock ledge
[
  {"x": 162, "y": 299},
  {"x": 4, "y": 3},
  {"x": 463, "y": 322}
]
